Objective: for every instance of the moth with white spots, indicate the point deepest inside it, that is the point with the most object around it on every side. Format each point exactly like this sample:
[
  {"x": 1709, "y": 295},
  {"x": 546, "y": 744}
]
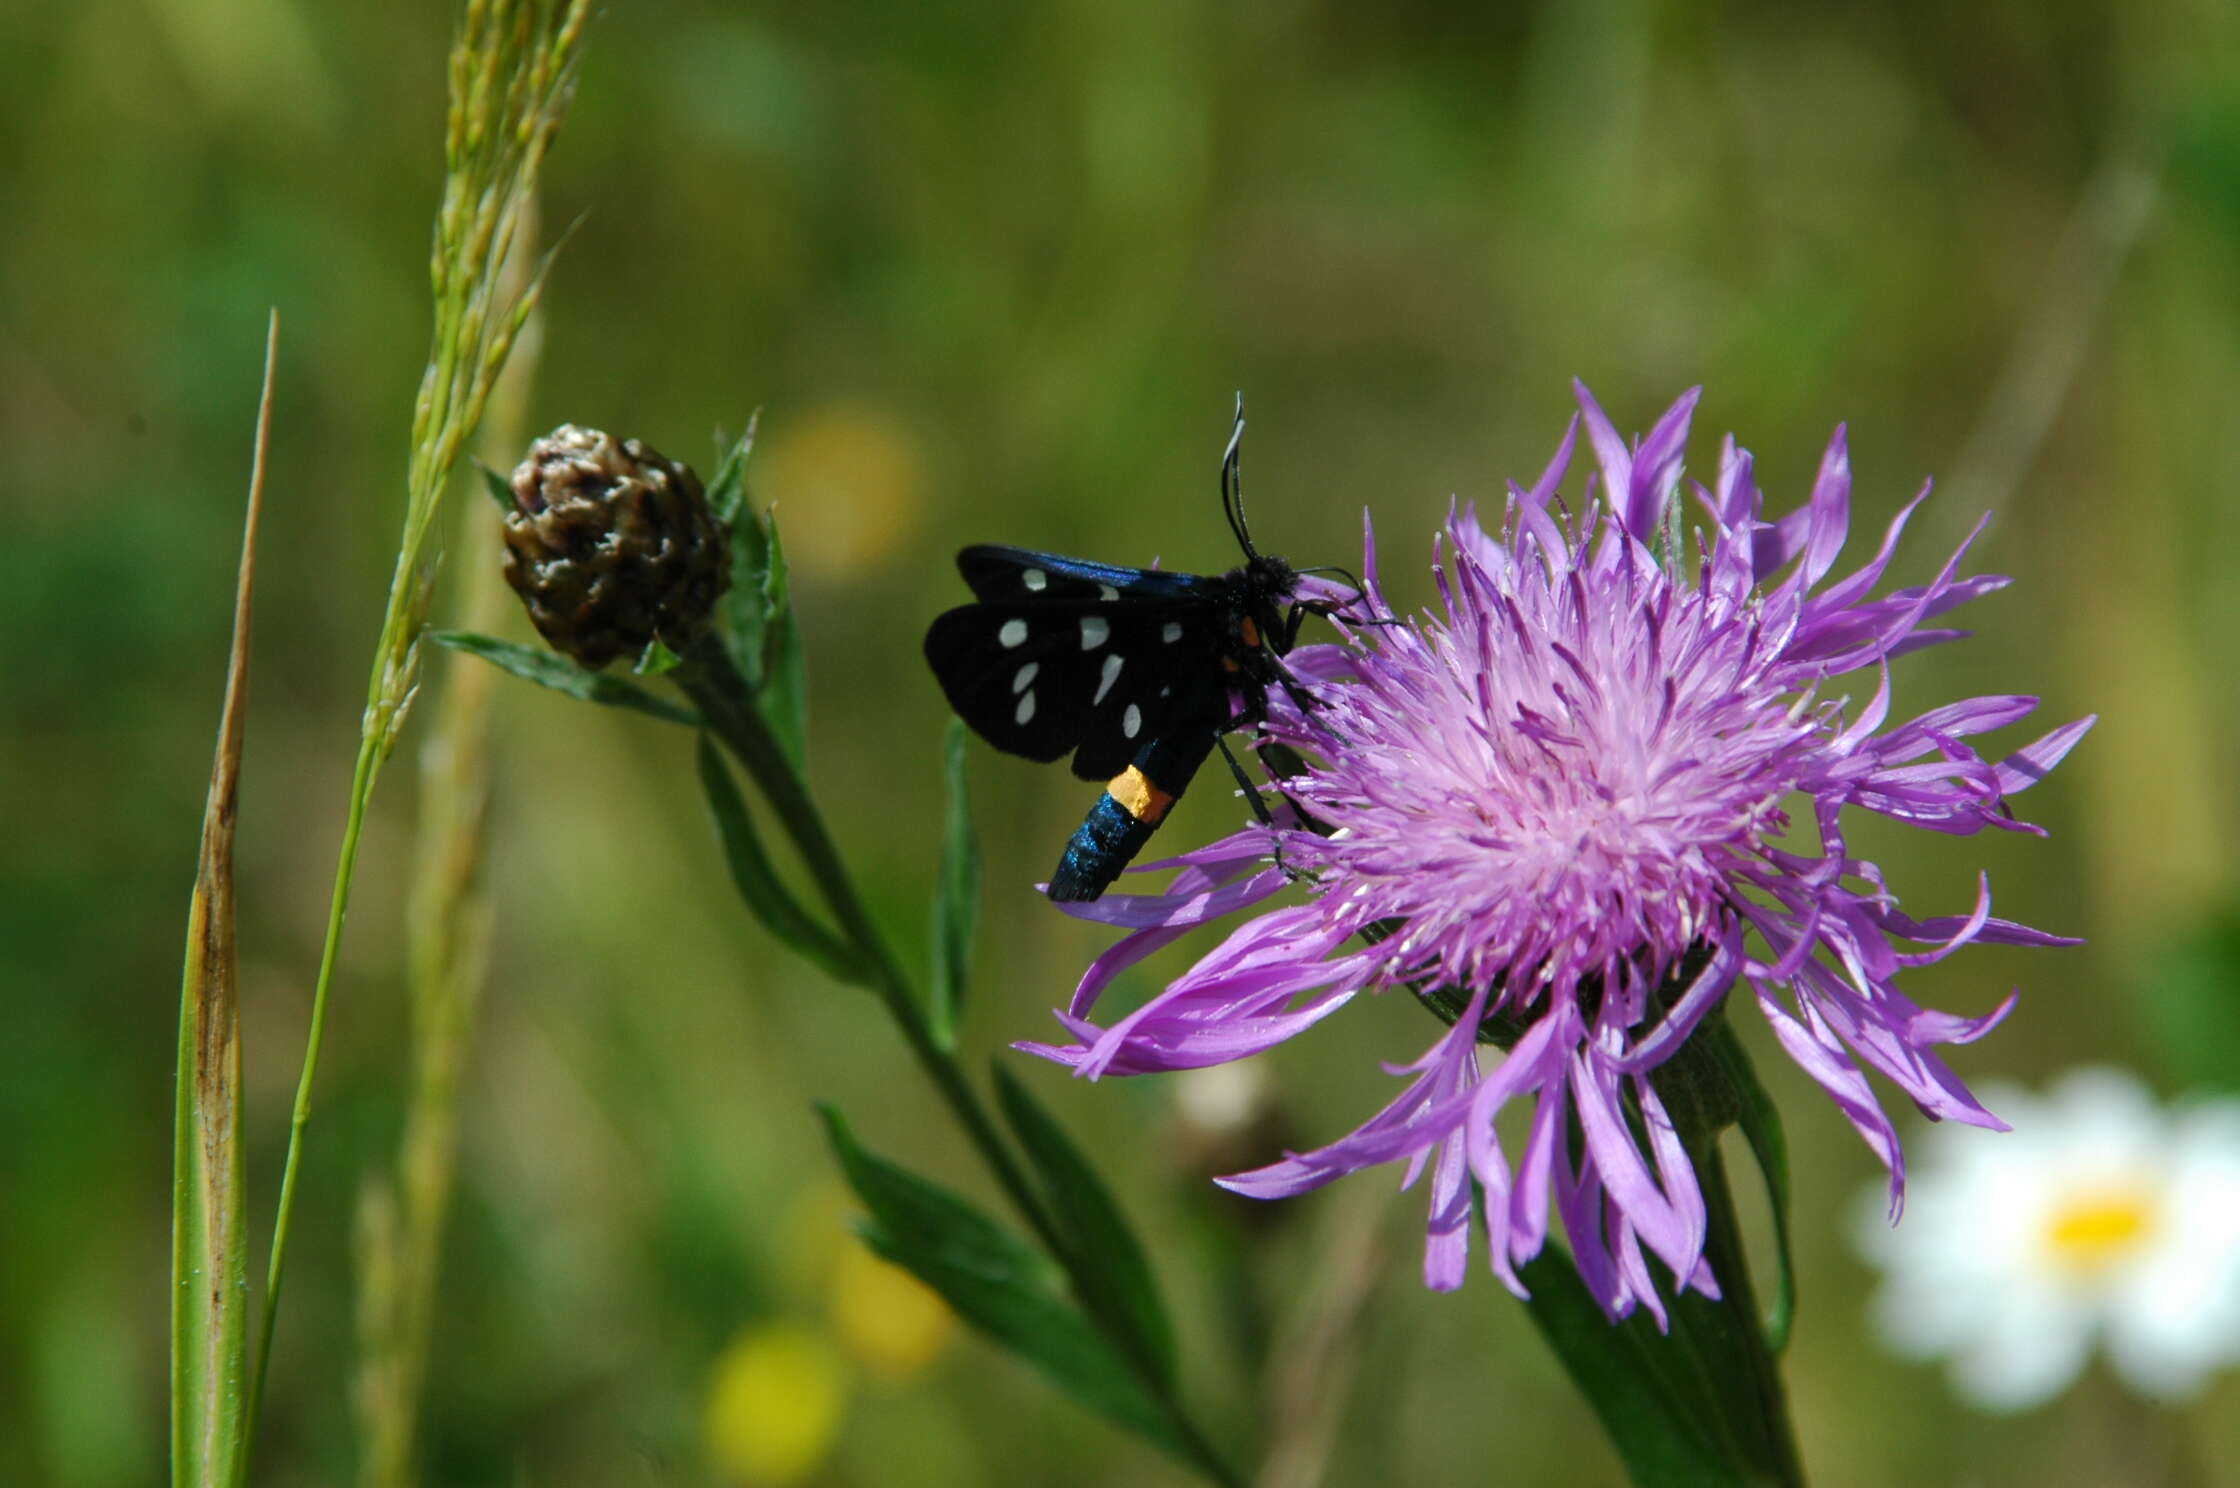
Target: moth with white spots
[
  {"x": 1135, "y": 672},
  {"x": 1062, "y": 656}
]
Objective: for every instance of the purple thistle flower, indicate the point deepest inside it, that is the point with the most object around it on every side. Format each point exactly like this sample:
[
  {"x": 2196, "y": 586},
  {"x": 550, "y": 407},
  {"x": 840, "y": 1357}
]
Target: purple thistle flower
[{"x": 1566, "y": 799}]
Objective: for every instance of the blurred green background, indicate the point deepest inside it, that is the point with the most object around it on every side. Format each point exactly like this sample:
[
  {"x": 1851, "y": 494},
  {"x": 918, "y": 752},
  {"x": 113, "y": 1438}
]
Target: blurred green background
[{"x": 994, "y": 272}]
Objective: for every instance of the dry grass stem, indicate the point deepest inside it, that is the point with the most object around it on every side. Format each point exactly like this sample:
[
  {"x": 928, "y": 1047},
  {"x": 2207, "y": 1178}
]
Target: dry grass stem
[{"x": 209, "y": 1254}]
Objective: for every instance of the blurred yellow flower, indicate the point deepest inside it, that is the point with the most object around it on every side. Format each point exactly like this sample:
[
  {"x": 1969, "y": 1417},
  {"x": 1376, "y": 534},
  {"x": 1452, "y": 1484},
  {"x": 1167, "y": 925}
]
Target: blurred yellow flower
[
  {"x": 886, "y": 1319},
  {"x": 847, "y": 480},
  {"x": 891, "y": 1322},
  {"x": 774, "y": 1402}
]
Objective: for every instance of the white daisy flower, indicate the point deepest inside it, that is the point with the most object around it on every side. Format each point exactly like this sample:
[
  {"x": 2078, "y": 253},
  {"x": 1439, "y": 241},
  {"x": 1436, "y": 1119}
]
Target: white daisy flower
[{"x": 2100, "y": 1217}]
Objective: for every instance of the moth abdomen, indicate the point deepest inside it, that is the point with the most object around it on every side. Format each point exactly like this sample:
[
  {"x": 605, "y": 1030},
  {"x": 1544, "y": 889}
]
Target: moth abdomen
[{"x": 1130, "y": 810}]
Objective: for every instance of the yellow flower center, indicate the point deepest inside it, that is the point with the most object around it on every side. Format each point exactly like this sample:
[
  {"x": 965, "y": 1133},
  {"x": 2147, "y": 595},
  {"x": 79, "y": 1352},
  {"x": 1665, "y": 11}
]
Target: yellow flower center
[{"x": 2090, "y": 1234}]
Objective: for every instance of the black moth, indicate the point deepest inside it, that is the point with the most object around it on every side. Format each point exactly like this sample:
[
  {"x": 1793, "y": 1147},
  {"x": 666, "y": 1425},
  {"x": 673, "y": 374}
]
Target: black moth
[{"x": 1136, "y": 672}]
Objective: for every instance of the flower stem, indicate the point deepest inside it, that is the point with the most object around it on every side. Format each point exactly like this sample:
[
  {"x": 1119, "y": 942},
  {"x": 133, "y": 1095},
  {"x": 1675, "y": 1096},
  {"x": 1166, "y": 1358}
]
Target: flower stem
[
  {"x": 710, "y": 678},
  {"x": 1726, "y": 1339},
  {"x": 726, "y": 702},
  {"x": 1771, "y": 1438},
  {"x": 1700, "y": 1402}
]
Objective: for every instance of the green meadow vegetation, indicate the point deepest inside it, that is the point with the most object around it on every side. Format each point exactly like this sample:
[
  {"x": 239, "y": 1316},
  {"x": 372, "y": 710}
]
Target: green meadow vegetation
[{"x": 559, "y": 1204}]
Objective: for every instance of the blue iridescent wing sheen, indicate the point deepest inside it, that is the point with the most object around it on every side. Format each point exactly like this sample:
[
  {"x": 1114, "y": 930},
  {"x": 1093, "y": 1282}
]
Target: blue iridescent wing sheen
[{"x": 1002, "y": 575}]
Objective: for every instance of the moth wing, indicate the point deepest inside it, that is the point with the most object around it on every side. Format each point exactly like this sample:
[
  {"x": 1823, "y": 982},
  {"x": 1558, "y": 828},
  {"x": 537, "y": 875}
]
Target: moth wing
[
  {"x": 1057, "y": 676},
  {"x": 1158, "y": 675},
  {"x": 1021, "y": 576},
  {"x": 989, "y": 660}
]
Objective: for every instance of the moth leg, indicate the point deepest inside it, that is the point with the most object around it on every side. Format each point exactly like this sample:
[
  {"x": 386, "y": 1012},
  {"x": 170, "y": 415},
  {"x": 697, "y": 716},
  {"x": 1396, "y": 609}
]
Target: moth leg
[
  {"x": 1281, "y": 674},
  {"x": 1301, "y": 696},
  {"x": 1244, "y": 782},
  {"x": 1260, "y": 809}
]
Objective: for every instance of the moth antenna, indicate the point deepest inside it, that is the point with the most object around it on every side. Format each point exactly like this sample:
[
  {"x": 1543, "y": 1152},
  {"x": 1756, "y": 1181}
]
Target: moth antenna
[
  {"x": 1344, "y": 573},
  {"x": 1232, "y": 483}
]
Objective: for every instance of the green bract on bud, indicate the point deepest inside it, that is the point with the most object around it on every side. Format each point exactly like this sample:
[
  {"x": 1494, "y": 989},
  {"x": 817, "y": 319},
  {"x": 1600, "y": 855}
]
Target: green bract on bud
[{"x": 612, "y": 545}]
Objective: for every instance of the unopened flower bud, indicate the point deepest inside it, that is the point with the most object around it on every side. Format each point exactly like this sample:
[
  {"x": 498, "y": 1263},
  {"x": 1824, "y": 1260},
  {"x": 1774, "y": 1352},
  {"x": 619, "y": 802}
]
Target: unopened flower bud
[{"x": 612, "y": 545}]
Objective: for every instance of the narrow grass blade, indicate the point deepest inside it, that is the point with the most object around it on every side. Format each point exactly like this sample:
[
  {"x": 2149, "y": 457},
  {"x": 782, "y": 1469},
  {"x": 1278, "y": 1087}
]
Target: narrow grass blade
[
  {"x": 209, "y": 1236},
  {"x": 449, "y": 918},
  {"x": 513, "y": 68}
]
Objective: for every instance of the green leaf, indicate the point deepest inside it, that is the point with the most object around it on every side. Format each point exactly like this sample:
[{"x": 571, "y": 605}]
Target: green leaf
[
  {"x": 758, "y": 620},
  {"x": 930, "y": 1218},
  {"x": 1639, "y": 1385},
  {"x": 744, "y": 619},
  {"x": 1722, "y": 1345},
  {"x": 497, "y": 488},
  {"x": 1702, "y": 1403},
  {"x": 760, "y": 630},
  {"x": 996, "y": 1283},
  {"x": 656, "y": 659},
  {"x": 550, "y": 669},
  {"x": 745, "y": 613},
  {"x": 956, "y": 899},
  {"x": 783, "y": 693},
  {"x": 727, "y": 493},
  {"x": 1107, "y": 1262},
  {"x": 1761, "y": 1127},
  {"x": 759, "y": 885}
]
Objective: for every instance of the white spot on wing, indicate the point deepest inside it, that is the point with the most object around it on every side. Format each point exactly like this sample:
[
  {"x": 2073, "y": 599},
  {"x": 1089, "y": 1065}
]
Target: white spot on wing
[
  {"x": 1131, "y": 720},
  {"x": 1107, "y": 593},
  {"x": 1024, "y": 677},
  {"x": 1093, "y": 632},
  {"x": 1033, "y": 578},
  {"x": 1025, "y": 710},
  {"x": 1014, "y": 633},
  {"x": 1111, "y": 675},
  {"x": 1171, "y": 632}
]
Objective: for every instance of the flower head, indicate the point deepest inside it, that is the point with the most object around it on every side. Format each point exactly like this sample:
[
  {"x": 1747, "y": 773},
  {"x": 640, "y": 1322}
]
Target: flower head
[
  {"x": 1594, "y": 793},
  {"x": 2102, "y": 1215},
  {"x": 612, "y": 545}
]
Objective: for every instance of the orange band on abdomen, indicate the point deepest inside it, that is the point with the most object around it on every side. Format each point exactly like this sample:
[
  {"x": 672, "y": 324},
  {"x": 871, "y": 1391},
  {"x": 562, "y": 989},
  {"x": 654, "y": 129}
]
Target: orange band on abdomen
[{"x": 1139, "y": 797}]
